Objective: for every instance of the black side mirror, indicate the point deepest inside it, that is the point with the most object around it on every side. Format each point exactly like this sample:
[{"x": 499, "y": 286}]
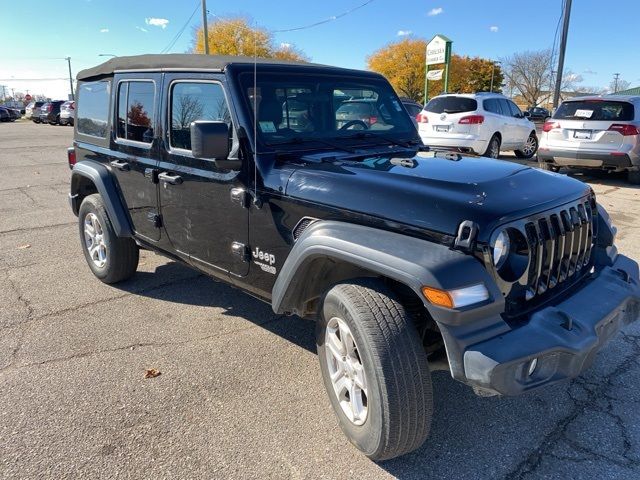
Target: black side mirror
[
  {"x": 526, "y": 114},
  {"x": 210, "y": 140}
]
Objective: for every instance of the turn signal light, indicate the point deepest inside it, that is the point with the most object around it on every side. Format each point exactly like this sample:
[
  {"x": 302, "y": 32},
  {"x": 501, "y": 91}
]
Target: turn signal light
[
  {"x": 438, "y": 297},
  {"x": 71, "y": 156},
  {"x": 548, "y": 126},
  {"x": 422, "y": 118}
]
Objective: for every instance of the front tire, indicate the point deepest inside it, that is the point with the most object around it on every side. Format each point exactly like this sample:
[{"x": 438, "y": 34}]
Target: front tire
[
  {"x": 374, "y": 369},
  {"x": 530, "y": 147},
  {"x": 633, "y": 176},
  {"x": 493, "y": 149},
  {"x": 111, "y": 258}
]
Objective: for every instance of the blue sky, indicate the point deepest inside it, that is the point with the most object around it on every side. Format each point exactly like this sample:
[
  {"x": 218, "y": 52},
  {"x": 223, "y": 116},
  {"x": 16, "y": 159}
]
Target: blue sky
[{"x": 37, "y": 34}]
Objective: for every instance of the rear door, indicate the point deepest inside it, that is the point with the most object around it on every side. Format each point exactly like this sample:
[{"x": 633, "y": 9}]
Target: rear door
[
  {"x": 508, "y": 128},
  {"x": 134, "y": 154},
  {"x": 595, "y": 124},
  {"x": 522, "y": 126},
  {"x": 200, "y": 217}
]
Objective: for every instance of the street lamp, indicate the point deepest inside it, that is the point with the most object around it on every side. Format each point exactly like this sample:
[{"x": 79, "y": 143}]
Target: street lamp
[{"x": 493, "y": 71}]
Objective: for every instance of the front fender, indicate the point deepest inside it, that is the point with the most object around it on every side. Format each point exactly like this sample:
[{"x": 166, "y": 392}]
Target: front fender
[{"x": 99, "y": 176}]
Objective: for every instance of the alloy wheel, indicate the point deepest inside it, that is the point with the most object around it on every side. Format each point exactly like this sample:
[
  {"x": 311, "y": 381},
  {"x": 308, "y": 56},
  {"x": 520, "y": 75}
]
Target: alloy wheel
[
  {"x": 346, "y": 370},
  {"x": 94, "y": 240},
  {"x": 530, "y": 147}
]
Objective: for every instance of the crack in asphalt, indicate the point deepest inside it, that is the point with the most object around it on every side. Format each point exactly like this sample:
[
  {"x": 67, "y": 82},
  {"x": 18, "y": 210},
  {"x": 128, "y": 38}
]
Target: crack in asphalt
[
  {"x": 133, "y": 346},
  {"x": 594, "y": 392},
  {"x": 26, "y": 229},
  {"x": 22, "y": 326}
]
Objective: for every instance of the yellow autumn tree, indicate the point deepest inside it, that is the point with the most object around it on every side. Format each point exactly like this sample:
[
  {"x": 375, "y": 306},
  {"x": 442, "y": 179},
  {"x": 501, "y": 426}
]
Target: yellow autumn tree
[
  {"x": 403, "y": 63},
  {"x": 234, "y": 36}
]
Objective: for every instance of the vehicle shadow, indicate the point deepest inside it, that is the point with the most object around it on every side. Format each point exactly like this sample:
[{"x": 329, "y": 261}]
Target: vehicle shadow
[
  {"x": 185, "y": 286},
  {"x": 599, "y": 177}
]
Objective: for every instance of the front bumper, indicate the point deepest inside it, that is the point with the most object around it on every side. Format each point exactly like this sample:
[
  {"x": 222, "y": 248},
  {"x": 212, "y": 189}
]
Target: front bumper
[{"x": 563, "y": 339}]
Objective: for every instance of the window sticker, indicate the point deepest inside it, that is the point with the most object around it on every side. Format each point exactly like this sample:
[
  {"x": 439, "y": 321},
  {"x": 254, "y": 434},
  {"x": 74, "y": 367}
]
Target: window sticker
[
  {"x": 583, "y": 113},
  {"x": 267, "y": 127}
]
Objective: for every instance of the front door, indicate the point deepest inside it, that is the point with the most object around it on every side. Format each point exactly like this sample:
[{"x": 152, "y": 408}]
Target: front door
[
  {"x": 135, "y": 150},
  {"x": 199, "y": 216}
]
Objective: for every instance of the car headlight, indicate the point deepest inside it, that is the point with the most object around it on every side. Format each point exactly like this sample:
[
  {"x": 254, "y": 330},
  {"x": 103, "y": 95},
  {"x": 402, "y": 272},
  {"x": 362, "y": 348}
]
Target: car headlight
[{"x": 501, "y": 246}]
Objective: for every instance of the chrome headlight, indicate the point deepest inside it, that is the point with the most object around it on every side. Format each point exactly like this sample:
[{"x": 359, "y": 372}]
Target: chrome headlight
[{"x": 501, "y": 246}]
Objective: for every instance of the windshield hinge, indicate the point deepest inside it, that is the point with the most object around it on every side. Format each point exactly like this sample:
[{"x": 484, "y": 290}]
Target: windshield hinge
[{"x": 467, "y": 232}]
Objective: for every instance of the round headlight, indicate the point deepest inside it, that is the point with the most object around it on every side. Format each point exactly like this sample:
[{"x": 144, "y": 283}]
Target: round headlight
[{"x": 501, "y": 247}]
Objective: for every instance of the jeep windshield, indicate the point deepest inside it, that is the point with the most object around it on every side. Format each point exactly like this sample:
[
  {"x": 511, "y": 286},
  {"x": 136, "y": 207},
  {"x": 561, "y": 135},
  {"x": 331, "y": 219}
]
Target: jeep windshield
[{"x": 325, "y": 110}]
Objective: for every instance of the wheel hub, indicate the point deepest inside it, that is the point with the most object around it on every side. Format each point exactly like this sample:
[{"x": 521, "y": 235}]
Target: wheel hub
[
  {"x": 346, "y": 371},
  {"x": 94, "y": 240}
]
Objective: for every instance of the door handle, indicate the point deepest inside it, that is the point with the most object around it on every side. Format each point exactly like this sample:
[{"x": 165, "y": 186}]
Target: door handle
[
  {"x": 121, "y": 165},
  {"x": 168, "y": 178}
]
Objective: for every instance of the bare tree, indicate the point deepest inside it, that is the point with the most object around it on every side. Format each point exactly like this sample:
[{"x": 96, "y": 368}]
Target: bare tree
[
  {"x": 621, "y": 85},
  {"x": 528, "y": 73},
  {"x": 188, "y": 110}
]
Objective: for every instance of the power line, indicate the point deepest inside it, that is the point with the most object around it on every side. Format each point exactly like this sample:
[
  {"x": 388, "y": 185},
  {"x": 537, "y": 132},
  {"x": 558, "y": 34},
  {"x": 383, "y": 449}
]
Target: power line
[
  {"x": 327, "y": 20},
  {"x": 181, "y": 31}
]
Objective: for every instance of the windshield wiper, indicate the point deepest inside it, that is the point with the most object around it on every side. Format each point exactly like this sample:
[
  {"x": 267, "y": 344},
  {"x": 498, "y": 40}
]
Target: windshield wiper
[
  {"x": 392, "y": 141},
  {"x": 301, "y": 140}
]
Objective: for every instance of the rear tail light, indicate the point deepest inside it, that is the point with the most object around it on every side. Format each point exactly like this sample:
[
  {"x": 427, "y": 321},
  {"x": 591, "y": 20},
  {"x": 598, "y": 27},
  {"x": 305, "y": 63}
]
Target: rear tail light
[
  {"x": 548, "y": 126},
  {"x": 422, "y": 118},
  {"x": 472, "y": 120},
  {"x": 624, "y": 129},
  {"x": 372, "y": 120},
  {"x": 71, "y": 156}
]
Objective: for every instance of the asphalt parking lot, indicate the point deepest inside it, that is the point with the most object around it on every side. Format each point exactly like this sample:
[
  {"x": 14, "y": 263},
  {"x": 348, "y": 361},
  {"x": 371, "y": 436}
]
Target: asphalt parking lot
[{"x": 240, "y": 394}]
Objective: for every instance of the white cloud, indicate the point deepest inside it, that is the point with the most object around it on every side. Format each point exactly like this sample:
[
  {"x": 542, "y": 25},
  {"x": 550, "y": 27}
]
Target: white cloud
[
  {"x": 493, "y": 28},
  {"x": 573, "y": 77},
  {"x": 104, "y": 30},
  {"x": 157, "y": 22},
  {"x": 435, "y": 11},
  {"x": 588, "y": 71},
  {"x": 142, "y": 29},
  {"x": 285, "y": 45},
  {"x": 403, "y": 33}
]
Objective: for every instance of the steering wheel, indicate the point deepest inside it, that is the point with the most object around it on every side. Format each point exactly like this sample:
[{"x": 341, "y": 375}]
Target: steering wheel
[{"x": 353, "y": 123}]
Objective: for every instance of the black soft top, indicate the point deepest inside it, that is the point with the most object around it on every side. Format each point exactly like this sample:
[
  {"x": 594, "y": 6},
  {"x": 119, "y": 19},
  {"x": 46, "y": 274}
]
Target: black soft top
[{"x": 179, "y": 61}]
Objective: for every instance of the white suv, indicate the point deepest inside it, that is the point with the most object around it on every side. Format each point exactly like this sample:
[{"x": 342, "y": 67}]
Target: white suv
[
  {"x": 485, "y": 123},
  {"x": 594, "y": 132}
]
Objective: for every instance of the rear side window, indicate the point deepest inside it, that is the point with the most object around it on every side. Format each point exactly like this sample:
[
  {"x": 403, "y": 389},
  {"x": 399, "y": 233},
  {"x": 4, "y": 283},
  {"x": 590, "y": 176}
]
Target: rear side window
[
  {"x": 191, "y": 102},
  {"x": 492, "y": 105},
  {"x": 595, "y": 110},
  {"x": 93, "y": 108},
  {"x": 136, "y": 106},
  {"x": 451, "y": 104}
]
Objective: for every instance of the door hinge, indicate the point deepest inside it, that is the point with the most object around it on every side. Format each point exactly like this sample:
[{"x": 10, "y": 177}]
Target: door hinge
[
  {"x": 239, "y": 196},
  {"x": 155, "y": 218},
  {"x": 152, "y": 174},
  {"x": 241, "y": 250}
]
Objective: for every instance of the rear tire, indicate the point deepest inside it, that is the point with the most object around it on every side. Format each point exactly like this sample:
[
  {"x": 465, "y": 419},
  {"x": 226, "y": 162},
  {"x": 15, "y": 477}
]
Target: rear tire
[
  {"x": 493, "y": 149},
  {"x": 633, "y": 176},
  {"x": 111, "y": 258},
  {"x": 387, "y": 352},
  {"x": 548, "y": 166},
  {"x": 530, "y": 148}
]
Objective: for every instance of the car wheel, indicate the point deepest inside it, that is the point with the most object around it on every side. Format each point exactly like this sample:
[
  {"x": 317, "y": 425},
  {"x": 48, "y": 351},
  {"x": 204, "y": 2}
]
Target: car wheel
[
  {"x": 493, "y": 149},
  {"x": 110, "y": 258},
  {"x": 634, "y": 177},
  {"x": 374, "y": 369},
  {"x": 530, "y": 147}
]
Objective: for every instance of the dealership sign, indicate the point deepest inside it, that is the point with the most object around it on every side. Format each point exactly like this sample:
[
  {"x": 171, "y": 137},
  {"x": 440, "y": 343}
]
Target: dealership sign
[
  {"x": 434, "y": 74},
  {"x": 437, "y": 50}
]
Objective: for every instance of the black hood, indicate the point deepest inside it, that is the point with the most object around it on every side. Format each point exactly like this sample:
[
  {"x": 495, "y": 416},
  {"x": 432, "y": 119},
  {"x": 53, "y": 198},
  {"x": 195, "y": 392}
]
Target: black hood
[{"x": 435, "y": 191}]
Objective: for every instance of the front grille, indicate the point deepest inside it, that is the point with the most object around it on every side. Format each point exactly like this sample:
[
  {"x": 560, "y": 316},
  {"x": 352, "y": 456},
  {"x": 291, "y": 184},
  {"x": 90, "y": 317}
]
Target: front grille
[{"x": 560, "y": 245}]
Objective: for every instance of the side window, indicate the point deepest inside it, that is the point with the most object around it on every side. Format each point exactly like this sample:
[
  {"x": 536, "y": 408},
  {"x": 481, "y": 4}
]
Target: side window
[
  {"x": 515, "y": 111},
  {"x": 136, "y": 111},
  {"x": 491, "y": 105},
  {"x": 503, "y": 105},
  {"x": 194, "y": 101},
  {"x": 93, "y": 108}
]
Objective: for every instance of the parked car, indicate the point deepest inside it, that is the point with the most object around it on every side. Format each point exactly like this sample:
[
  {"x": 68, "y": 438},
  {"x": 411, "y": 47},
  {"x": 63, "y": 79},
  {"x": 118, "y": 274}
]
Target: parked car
[
  {"x": 504, "y": 275},
  {"x": 600, "y": 132},
  {"x": 14, "y": 114},
  {"x": 5, "y": 116},
  {"x": 50, "y": 112},
  {"x": 32, "y": 111},
  {"x": 67, "y": 113},
  {"x": 413, "y": 108},
  {"x": 538, "y": 114},
  {"x": 483, "y": 123}
]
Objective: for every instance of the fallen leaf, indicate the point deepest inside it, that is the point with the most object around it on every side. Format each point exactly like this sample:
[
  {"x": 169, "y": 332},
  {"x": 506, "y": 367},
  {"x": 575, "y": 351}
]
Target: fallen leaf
[
  {"x": 22, "y": 247},
  {"x": 151, "y": 373}
]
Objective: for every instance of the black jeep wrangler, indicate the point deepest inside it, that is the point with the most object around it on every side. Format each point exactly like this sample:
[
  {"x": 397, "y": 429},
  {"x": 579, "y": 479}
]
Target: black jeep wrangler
[{"x": 271, "y": 176}]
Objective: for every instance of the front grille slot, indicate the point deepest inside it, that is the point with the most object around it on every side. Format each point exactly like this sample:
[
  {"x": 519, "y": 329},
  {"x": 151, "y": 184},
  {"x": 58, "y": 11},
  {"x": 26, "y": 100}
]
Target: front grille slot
[{"x": 560, "y": 246}]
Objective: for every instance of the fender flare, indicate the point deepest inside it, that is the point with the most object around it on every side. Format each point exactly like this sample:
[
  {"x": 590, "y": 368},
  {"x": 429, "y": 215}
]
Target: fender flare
[
  {"x": 106, "y": 187},
  {"x": 411, "y": 261}
]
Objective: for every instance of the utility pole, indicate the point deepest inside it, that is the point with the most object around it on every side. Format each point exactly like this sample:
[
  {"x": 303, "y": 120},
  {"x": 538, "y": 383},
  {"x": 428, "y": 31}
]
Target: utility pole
[
  {"x": 616, "y": 76},
  {"x": 563, "y": 47},
  {"x": 68, "y": 59},
  {"x": 493, "y": 71},
  {"x": 204, "y": 25}
]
